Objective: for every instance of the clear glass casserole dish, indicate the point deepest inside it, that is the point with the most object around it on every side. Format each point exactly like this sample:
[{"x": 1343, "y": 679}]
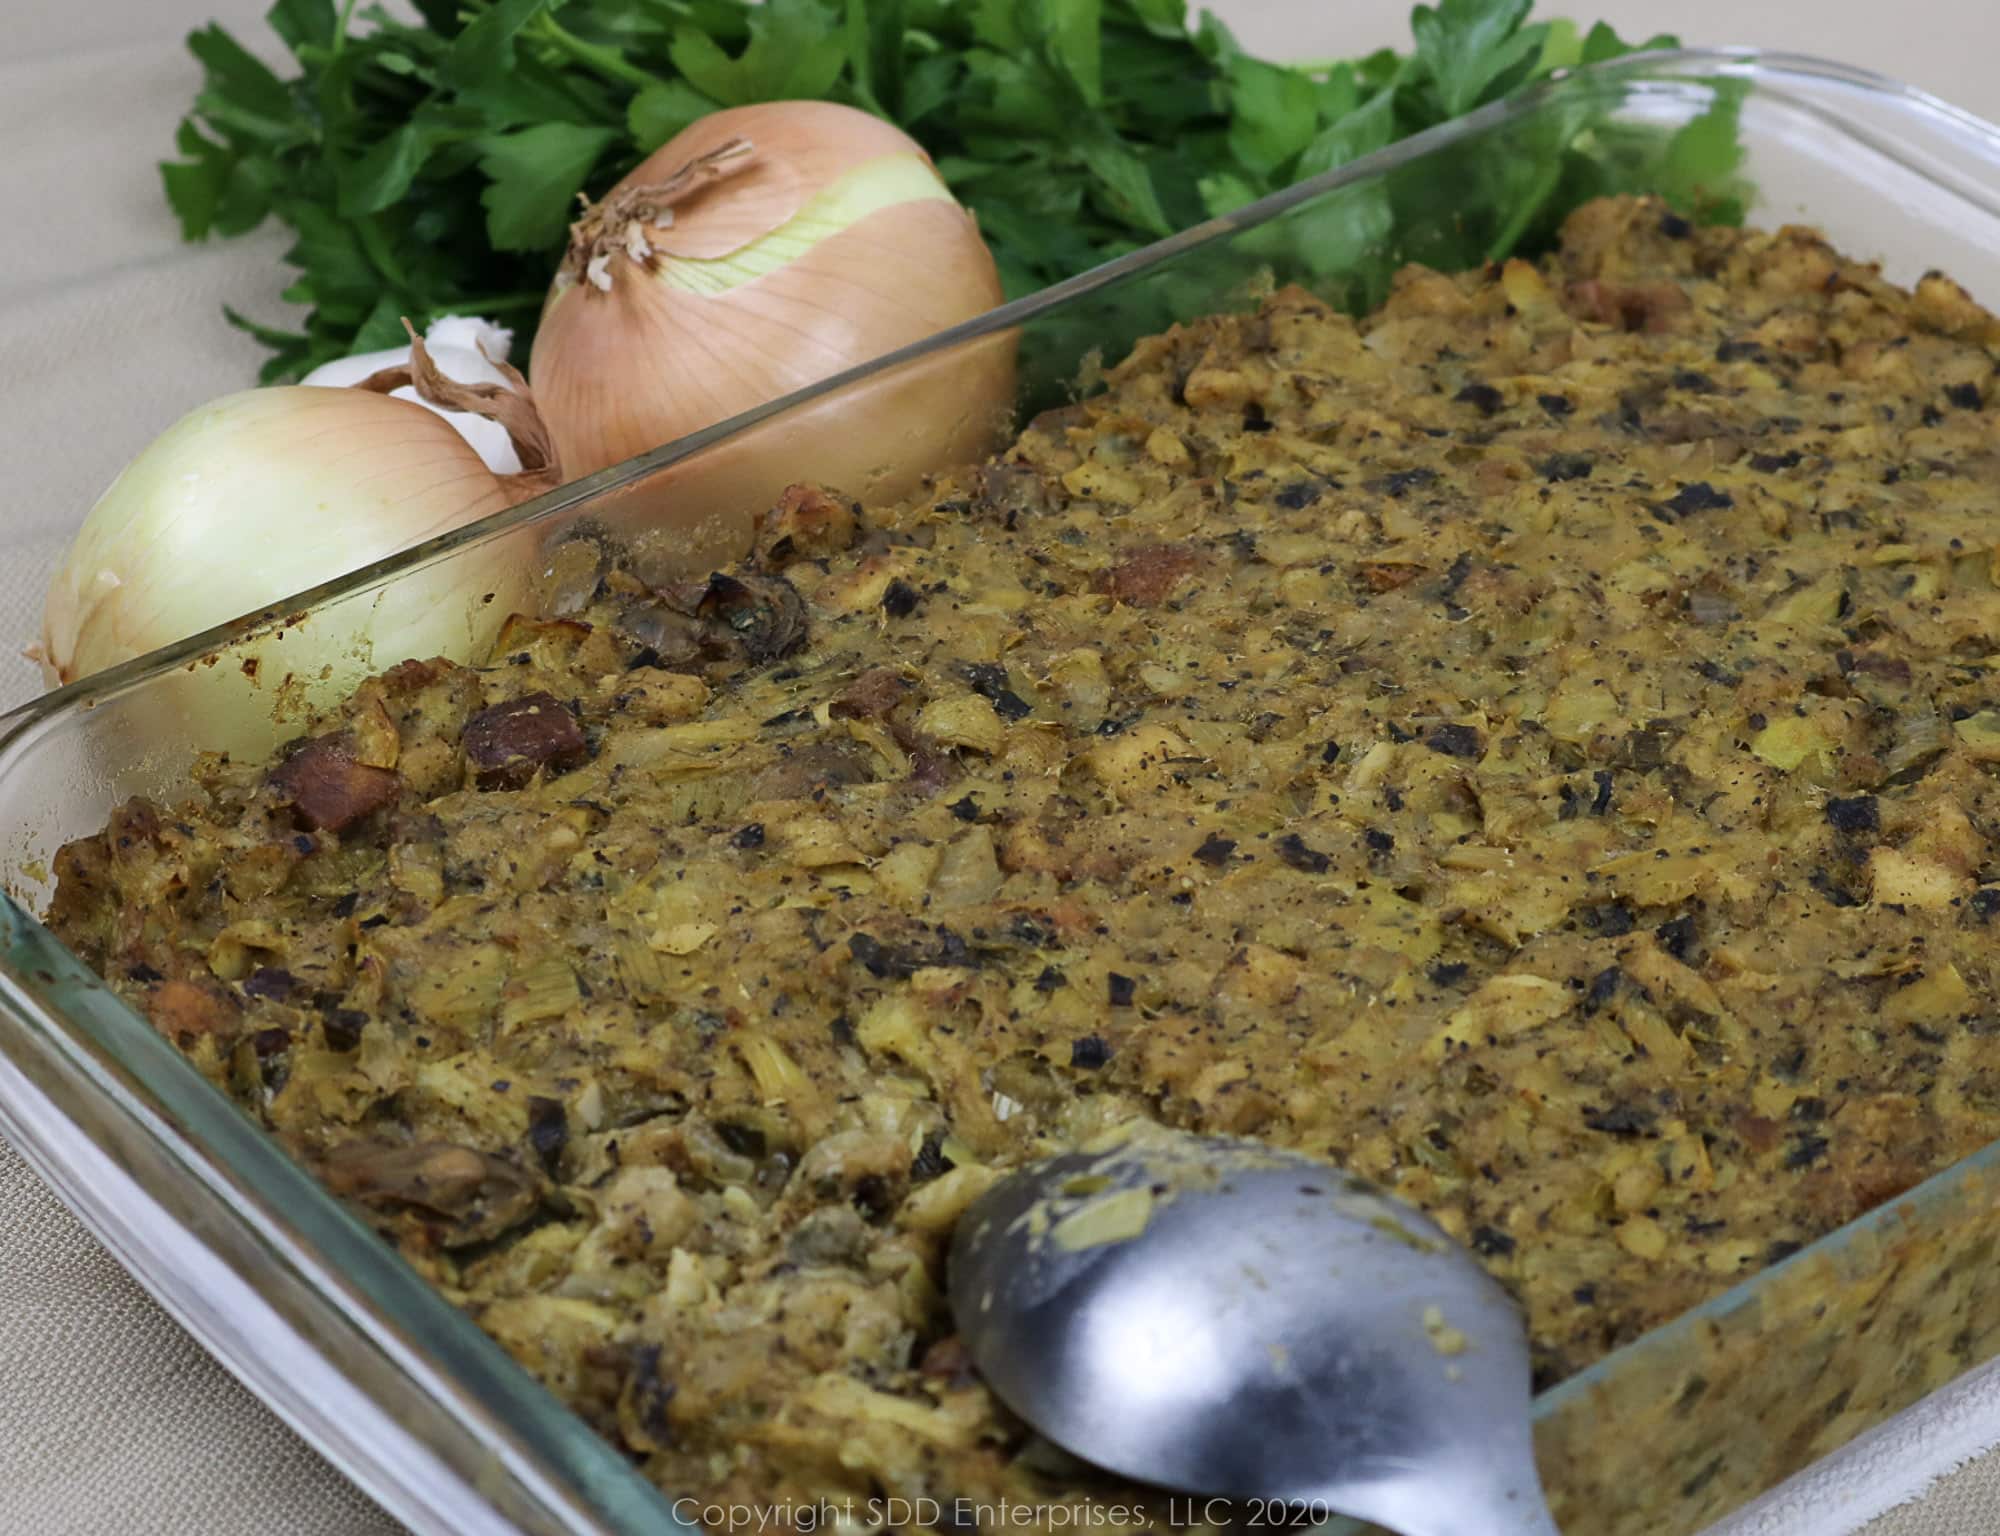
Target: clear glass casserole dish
[{"x": 326, "y": 1323}]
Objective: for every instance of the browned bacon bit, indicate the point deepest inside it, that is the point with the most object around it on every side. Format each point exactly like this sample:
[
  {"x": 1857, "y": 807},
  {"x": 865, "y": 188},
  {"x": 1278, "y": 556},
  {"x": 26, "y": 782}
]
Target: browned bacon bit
[
  {"x": 184, "y": 1011},
  {"x": 409, "y": 676},
  {"x": 1891, "y": 669},
  {"x": 1013, "y": 489},
  {"x": 871, "y": 695},
  {"x": 328, "y": 789},
  {"x": 762, "y": 616},
  {"x": 807, "y": 522},
  {"x": 949, "y": 1360},
  {"x": 1145, "y": 578},
  {"x": 480, "y": 1195},
  {"x": 507, "y": 742},
  {"x": 1651, "y": 307},
  {"x": 931, "y": 768},
  {"x": 1387, "y": 575},
  {"x": 811, "y": 770},
  {"x": 136, "y": 821}
]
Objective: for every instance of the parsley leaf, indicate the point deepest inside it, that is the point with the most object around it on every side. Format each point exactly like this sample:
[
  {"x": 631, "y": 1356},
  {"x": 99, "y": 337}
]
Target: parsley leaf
[
  {"x": 1466, "y": 45},
  {"x": 1128, "y": 185},
  {"x": 1075, "y": 30},
  {"x": 303, "y": 24},
  {"x": 1276, "y": 112},
  {"x": 662, "y": 110},
  {"x": 486, "y": 48},
  {"x": 382, "y": 176},
  {"x": 534, "y": 175},
  {"x": 241, "y": 89},
  {"x": 796, "y": 50},
  {"x": 1700, "y": 165},
  {"x": 195, "y": 185}
]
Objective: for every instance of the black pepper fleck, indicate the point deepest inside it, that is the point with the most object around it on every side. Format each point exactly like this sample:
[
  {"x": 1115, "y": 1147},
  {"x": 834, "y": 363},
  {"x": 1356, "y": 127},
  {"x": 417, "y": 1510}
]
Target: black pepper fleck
[
  {"x": 1805, "y": 1151},
  {"x": 1292, "y": 849},
  {"x": 1677, "y": 936},
  {"x": 930, "y": 1161},
  {"x": 341, "y": 1028},
  {"x": 1601, "y": 803},
  {"x": 1699, "y": 496},
  {"x": 1090, "y": 1052},
  {"x": 1767, "y": 463},
  {"x": 1603, "y": 987},
  {"x": 1861, "y": 813},
  {"x": 1216, "y": 850},
  {"x": 1455, "y": 740},
  {"x": 1620, "y": 1120},
  {"x": 1483, "y": 398}
]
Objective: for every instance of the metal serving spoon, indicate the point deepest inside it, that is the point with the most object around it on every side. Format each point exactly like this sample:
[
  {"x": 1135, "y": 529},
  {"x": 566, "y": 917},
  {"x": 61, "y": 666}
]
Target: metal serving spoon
[{"x": 1221, "y": 1318}]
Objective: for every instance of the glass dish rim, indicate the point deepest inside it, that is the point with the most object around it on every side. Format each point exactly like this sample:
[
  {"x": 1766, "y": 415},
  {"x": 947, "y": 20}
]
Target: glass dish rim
[
  {"x": 1667, "y": 67},
  {"x": 1730, "y": 62}
]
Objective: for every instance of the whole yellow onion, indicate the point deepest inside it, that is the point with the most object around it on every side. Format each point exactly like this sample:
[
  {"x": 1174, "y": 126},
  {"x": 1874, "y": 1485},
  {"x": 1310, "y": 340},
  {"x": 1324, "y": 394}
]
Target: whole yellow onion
[
  {"x": 761, "y": 250},
  {"x": 257, "y": 497}
]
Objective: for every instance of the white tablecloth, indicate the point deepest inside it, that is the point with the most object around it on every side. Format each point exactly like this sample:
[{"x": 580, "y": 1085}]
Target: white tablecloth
[{"x": 111, "y": 1420}]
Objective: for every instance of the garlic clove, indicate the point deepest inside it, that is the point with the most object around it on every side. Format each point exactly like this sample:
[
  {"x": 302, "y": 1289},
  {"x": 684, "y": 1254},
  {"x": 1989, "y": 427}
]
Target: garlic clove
[{"x": 465, "y": 348}]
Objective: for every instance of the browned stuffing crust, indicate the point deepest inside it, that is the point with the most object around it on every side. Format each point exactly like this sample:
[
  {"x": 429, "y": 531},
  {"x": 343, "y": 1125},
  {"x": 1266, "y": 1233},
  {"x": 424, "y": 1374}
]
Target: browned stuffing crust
[{"x": 1533, "y": 746}]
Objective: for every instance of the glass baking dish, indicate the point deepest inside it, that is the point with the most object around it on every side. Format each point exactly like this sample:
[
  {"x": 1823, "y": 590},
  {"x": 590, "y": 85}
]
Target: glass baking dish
[{"x": 324, "y": 1321}]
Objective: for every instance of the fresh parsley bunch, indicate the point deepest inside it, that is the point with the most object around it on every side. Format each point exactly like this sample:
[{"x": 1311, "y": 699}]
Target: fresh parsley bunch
[{"x": 432, "y": 167}]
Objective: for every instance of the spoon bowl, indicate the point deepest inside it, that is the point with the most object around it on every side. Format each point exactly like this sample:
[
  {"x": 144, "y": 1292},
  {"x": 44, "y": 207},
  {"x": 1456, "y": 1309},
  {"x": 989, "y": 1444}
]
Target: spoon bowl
[{"x": 1224, "y": 1318}]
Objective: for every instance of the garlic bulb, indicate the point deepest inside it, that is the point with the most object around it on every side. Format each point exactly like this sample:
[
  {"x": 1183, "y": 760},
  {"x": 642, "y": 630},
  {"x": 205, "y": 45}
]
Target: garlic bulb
[{"x": 466, "y": 350}]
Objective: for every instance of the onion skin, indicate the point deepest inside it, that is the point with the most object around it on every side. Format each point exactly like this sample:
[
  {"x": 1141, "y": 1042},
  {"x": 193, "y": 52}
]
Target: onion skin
[
  {"x": 876, "y": 441},
  {"x": 679, "y": 338}
]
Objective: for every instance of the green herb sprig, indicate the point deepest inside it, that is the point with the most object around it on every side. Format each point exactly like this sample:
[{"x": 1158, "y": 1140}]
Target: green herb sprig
[{"x": 432, "y": 167}]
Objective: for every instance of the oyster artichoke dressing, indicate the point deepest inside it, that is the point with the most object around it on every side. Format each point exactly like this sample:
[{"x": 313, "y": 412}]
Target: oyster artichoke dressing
[{"x": 1532, "y": 746}]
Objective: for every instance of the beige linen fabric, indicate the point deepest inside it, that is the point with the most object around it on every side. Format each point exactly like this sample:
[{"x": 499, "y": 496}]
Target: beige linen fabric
[{"x": 111, "y": 1419}]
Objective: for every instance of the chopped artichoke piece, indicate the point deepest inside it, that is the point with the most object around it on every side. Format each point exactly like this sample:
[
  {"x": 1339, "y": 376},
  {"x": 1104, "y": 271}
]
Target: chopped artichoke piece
[
  {"x": 544, "y": 990},
  {"x": 1506, "y": 1006},
  {"x": 963, "y": 720},
  {"x": 1979, "y": 735},
  {"x": 1788, "y": 742},
  {"x": 1895, "y": 877}
]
